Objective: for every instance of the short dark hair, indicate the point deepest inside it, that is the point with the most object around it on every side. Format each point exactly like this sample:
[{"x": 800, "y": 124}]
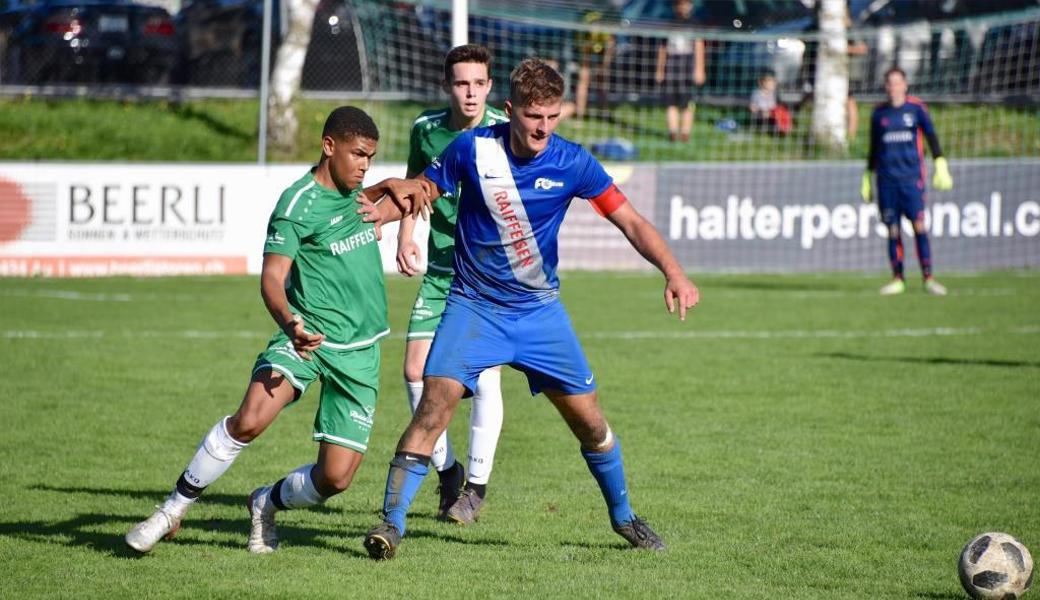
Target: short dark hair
[
  {"x": 468, "y": 53},
  {"x": 901, "y": 72},
  {"x": 534, "y": 82},
  {"x": 348, "y": 122}
]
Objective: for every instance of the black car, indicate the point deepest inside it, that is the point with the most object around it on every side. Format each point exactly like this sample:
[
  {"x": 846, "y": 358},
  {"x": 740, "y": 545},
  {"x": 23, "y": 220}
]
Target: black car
[
  {"x": 221, "y": 41},
  {"x": 86, "y": 41}
]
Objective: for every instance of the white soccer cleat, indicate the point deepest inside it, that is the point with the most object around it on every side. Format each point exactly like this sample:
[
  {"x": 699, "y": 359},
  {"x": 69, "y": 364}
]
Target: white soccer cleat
[
  {"x": 896, "y": 286},
  {"x": 934, "y": 288},
  {"x": 263, "y": 537},
  {"x": 146, "y": 534}
]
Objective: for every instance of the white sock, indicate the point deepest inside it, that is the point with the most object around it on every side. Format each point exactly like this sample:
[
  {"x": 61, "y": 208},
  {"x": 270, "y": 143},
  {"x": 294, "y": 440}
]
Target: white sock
[
  {"x": 297, "y": 489},
  {"x": 177, "y": 504},
  {"x": 443, "y": 456},
  {"x": 213, "y": 457},
  {"x": 485, "y": 424}
]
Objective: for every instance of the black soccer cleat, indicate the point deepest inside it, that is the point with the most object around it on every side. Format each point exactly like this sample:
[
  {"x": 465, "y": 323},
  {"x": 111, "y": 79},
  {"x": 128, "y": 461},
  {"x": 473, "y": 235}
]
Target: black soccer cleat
[
  {"x": 382, "y": 541},
  {"x": 639, "y": 534},
  {"x": 449, "y": 489}
]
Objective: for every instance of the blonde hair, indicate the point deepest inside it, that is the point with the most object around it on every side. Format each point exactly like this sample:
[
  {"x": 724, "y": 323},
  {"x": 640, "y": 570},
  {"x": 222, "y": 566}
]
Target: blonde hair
[{"x": 533, "y": 81}]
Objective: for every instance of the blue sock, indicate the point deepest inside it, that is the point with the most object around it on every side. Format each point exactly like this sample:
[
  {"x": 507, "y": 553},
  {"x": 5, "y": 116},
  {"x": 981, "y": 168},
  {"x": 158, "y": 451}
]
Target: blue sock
[
  {"x": 924, "y": 254},
  {"x": 895, "y": 256},
  {"x": 407, "y": 472},
  {"x": 609, "y": 472}
]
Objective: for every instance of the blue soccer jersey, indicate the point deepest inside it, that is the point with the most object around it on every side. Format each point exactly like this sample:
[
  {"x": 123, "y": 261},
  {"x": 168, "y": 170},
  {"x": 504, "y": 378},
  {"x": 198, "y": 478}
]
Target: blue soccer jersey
[
  {"x": 510, "y": 211},
  {"x": 897, "y": 135}
]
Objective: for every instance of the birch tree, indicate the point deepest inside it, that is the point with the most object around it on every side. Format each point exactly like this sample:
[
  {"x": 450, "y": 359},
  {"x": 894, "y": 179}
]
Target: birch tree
[
  {"x": 282, "y": 124},
  {"x": 831, "y": 86}
]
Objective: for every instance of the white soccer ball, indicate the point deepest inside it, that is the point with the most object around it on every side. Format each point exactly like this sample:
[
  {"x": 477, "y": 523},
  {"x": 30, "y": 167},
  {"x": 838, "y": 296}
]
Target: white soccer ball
[{"x": 995, "y": 565}]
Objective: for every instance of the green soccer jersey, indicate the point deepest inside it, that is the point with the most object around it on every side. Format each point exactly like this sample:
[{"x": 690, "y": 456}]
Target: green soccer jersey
[
  {"x": 431, "y": 134},
  {"x": 336, "y": 283}
]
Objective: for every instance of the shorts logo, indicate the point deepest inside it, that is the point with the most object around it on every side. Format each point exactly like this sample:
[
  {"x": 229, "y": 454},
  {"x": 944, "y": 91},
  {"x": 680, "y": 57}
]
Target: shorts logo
[
  {"x": 589, "y": 379},
  {"x": 544, "y": 183},
  {"x": 364, "y": 420}
]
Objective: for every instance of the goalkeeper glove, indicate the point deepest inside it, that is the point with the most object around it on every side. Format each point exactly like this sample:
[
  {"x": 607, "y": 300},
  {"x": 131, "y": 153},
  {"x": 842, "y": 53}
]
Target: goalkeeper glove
[
  {"x": 941, "y": 180},
  {"x": 864, "y": 187}
]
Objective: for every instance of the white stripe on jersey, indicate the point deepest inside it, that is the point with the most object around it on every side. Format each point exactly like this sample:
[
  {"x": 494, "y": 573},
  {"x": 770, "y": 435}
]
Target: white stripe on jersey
[
  {"x": 502, "y": 199},
  {"x": 296, "y": 196},
  {"x": 425, "y": 118}
]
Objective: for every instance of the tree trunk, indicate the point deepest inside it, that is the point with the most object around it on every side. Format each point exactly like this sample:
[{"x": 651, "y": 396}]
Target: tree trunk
[
  {"x": 282, "y": 124},
  {"x": 831, "y": 88}
]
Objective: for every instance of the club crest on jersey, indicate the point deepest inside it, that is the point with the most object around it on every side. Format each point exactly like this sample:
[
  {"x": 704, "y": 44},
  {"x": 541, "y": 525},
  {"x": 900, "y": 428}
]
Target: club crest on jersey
[
  {"x": 908, "y": 119},
  {"x": 544, "y": 183}
]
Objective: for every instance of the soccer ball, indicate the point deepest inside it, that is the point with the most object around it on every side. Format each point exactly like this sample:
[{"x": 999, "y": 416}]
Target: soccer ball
[{"x": 995, "y": 565}]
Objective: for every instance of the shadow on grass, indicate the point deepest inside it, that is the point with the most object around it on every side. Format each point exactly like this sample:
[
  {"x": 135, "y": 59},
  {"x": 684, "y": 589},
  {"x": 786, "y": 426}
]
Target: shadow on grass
[
  {"x": 939, "y": 596},
  {"x": 155, "y": 496},
  {"x": 599, "y": 546},
  {"x": 775, "y": 285},
  {"x": 935, "y": 360},
  {"x": 81, "y": 532},
  {"x": 189, "y": 113}
]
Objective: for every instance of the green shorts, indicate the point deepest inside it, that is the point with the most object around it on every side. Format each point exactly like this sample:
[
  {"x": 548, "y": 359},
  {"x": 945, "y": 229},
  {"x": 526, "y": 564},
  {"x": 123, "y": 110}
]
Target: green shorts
[
  {"x": 429, "y": 305},
  {"x": 349, "y": 386}
]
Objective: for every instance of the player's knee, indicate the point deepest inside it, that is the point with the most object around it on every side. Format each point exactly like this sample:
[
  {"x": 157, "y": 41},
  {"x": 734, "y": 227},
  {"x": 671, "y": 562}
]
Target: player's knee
[
  {"x": 595, "y": 436},
  {"x": 413, "y": 372},
  {"x": 919, "y": 227},
  {"x": 332, "y": 483},
  {"x": 245, "y": 426}
]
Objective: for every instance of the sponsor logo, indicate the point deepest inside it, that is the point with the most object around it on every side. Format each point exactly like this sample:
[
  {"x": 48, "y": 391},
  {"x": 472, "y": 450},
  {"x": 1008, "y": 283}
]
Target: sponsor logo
[
  {"x": 516, "y": 229},
  {"x": 336, "y": 219},
  {"x": 897, "y": 137},
  {"x": 360, "y": 419},
  {"x": 743, "y": 219},
  {"x": 494, "y": 175},
  {"x": 355, "y": 241},
  {"x": 275, "y": 239},
  {"x": 544, "y": 183}
]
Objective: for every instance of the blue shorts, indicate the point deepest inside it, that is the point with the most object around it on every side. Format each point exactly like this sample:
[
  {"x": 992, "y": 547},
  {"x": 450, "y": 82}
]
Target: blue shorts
[
  {"x": 474, "y": 336},
  {"x": 901, "y": 198}
]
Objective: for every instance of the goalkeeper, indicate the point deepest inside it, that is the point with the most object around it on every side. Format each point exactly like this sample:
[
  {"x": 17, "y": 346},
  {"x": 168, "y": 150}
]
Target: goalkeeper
[{"x": 897, "y": 158}]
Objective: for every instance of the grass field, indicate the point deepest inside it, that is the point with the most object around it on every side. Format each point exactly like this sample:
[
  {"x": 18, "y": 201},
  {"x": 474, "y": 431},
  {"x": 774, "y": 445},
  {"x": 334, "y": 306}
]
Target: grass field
[
  {"x": 797, "y": 437},
  {"x": 225, "y": 130}
]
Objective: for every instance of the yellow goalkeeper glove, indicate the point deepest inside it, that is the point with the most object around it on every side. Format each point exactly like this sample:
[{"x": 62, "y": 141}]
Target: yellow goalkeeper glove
[
  {"x": 864, "y": 187},
  {"x": 941, "y": 180}
]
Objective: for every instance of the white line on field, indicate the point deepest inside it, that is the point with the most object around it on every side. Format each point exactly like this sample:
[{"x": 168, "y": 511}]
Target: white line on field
[{"x": 599, "y": 335}]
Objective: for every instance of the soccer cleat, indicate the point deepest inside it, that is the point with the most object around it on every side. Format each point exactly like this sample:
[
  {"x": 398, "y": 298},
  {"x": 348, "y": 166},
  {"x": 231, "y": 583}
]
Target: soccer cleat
[
  {"x": 382, "y": 541},
  {"x": 639, "y": 534},
  {"x": 263, "y": 537},
  {"x": 896, "y": 286},
  {"x": 934, "y": 288},
  {"x": 146, "y": 534},
  {"x": 450, "y": 489},
  {"x": 467, "y": 508}
]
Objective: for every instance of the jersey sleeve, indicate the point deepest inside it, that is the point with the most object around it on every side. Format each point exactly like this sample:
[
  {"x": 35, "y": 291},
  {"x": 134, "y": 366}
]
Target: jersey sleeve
[
  {"x": 591, "y": 179},
  {"x": 416, "y": 160},
  {"x": 928, "y": 128},
  {"x": 446, "y": 169},
  {"x": 875, "y": 141},
  {"x": 285, "y": 230}
]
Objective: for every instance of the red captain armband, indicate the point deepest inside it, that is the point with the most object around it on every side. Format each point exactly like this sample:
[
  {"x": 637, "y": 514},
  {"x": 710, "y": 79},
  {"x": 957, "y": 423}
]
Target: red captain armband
[{"x": 608, "y": 201}]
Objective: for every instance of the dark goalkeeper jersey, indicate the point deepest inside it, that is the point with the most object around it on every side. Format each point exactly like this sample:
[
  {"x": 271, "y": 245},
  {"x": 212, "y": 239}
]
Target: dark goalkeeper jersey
[{"x": 897, "y": 135}]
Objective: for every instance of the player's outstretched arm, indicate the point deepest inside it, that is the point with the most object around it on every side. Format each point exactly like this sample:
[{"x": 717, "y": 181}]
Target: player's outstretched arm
[
  {"x": 408, "y": 197},
  {"x": 273, "y": 275},
  {"x": 679, "y": 291}
]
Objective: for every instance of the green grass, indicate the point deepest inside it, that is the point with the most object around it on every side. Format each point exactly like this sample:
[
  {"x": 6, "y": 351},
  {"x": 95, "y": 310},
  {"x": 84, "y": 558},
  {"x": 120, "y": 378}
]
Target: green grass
[
  {"x": 797, "y": 437},
  {"x": 225, "y": 131}
]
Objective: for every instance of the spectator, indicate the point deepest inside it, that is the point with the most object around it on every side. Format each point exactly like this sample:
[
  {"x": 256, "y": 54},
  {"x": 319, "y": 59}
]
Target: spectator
[
  {"x": 766, "y": 111},
  {"x": 680, "y": 72}
]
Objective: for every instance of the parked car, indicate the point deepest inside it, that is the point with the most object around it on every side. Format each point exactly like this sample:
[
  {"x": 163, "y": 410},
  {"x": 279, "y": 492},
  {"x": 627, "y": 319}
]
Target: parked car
[
  {"x": 221, "y": 40},
  {"x": 85, "y": 41}
]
